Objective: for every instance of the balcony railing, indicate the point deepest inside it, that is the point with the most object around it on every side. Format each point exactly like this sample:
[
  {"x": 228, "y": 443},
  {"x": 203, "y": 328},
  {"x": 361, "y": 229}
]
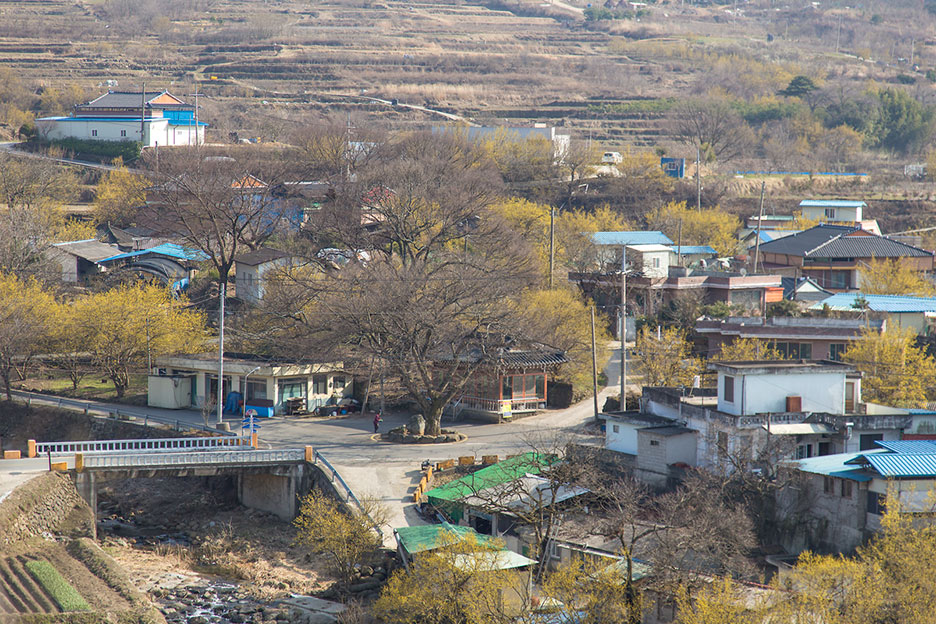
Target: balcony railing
[{"x": 497, "y": 406}]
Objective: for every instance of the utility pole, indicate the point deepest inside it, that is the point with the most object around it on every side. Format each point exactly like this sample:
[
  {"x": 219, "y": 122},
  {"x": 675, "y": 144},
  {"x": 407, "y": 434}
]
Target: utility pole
[
  {"x": 623, "y": 327},
  {"x": 838, "y": 35},
  {"x": 142, "y": 112},
  {"x": 221, "y": 355},
  {"x": 348, "y": 152},
  {"x": 679, "y": 244},
  {"x": 552, "y": 243},
  {"x": 763, "y": 185},
  {"x": 698, "y": 177},
  {"x": 594, "y": 361}
]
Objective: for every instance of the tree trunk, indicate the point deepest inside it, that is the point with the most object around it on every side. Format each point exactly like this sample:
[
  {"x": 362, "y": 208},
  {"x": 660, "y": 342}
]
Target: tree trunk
[
  {"x": 433, "y": 418},
  {"x": 6, "y": 383}
]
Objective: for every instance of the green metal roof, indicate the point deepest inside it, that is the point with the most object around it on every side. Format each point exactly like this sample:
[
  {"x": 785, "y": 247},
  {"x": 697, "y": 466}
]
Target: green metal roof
[
  {"x": 416, "y": 539},
  {"x": 497, "y": 474}
]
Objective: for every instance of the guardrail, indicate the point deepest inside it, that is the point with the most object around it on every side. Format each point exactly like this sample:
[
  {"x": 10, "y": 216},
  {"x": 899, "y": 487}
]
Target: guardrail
[
  {"x": 114, "y": 412},
  {"x": 172, "y": 445},
  {"x": 349, "y": 493},
  {"x": 204, "y": 458}
]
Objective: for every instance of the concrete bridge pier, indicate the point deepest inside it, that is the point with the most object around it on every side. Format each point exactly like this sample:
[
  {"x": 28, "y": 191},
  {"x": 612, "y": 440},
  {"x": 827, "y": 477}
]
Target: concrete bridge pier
[
  {"x": 274, "y": 491},
  {"x": 87, "y": 489}
]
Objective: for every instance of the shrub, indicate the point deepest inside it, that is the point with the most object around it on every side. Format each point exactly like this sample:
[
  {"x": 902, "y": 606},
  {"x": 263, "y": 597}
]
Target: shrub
[
  {"x": 64, "y": 595},
  {"x": 128, "y": 150}
]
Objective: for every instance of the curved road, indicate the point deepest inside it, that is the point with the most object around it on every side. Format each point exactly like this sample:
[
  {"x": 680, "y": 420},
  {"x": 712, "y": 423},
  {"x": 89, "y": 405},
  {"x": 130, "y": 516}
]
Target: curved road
[{"x": 388, "y": 472}]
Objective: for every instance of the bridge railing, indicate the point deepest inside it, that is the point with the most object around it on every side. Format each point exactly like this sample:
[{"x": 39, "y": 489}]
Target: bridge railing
[
  {"x": 114, "y": 412},
  {"x": 349, "y": 493},
  {"x": 214, "y": 458},
  {"x": 172, "y": 445}
]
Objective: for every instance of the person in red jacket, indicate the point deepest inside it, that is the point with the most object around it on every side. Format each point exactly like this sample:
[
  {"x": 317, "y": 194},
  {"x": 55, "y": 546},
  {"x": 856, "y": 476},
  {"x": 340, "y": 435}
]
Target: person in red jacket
[{"x": 377, "y": 421}]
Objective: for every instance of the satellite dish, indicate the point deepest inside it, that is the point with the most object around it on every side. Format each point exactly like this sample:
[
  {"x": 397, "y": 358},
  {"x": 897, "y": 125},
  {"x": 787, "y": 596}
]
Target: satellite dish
[{"x": 743, "y": 271}]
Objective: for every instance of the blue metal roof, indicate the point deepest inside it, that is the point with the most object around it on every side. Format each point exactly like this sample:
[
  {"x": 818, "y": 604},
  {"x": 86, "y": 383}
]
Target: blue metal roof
[
  {"x": 909, "y": 447},
  {"x": 631, "y": 238},
  {"x": 166, "y": 249},
  {"x": 687, "y": 250},
  {"x": 836, "y": 465},
  {"x": 844, "y": 302},
  {"x": 831, "y": 203},
  {"x": 903, "y": 465}
]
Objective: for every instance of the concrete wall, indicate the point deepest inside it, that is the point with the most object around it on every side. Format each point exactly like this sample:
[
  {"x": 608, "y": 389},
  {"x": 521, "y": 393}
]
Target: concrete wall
[
  {"x": 156, "y": 131},
  {"x": 621, "y": 437},
  {"x": 275, "y": 493},
  {"x": 759, "y": 394},
  {"x": 169, "y": 392}
]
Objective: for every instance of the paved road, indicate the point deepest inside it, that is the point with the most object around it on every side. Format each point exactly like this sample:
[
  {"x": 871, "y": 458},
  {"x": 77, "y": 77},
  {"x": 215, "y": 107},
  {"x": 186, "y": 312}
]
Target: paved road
[
  {"x": 390, "y": 472},
  {"x": 10, "y": 148}
]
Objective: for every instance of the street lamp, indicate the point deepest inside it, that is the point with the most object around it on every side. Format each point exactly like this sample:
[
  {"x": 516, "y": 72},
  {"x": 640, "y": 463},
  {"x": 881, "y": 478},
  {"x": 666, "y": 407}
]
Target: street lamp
[{"x": 244, "y": 403}]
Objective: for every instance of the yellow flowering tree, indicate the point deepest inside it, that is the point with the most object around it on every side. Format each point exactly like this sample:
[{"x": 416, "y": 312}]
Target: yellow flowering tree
[{"x": 896, "y": 371}]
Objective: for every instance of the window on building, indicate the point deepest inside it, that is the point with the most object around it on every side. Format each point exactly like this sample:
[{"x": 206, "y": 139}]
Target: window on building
[
  {"x": 123, "y": 133},
  {"x": 836, "y": 350},
  {"x": 825, "y": 448},
  {"x": 292, "y": 388},
  {"x": 830, "y": 213},
  {"x": 654, "y": 443},
  {"x": 875, "y": 503},
  {"x": 656, "y": 263},
  {"x": 794, "y": 350},
  {"x": 838, "y": 279},
  {"x": 338, "y": 383},
  {"x": 616, "y": 428},
  {"x": 722, "y": 444},
  {"x": 728, "y": 390},
  {"x": 828, "y": 485},
  {"x": 866, "y": 441},
  {"x": 319, "y": 384},
  {"x": 256, "y": 390},
  {"x": 524, "y": 386},
  {"x": 846, "y": 488},
  {"x": 94, "y": 133}
]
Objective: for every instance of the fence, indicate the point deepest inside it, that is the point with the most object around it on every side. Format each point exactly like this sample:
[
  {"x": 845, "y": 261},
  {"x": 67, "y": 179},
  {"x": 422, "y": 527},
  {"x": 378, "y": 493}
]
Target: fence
[
  {"x": 114, "y": 412},
  {"x": 159, "y": 460},
  {"x": 349, "y": 493},
  {"x": 143, "y": 445}
]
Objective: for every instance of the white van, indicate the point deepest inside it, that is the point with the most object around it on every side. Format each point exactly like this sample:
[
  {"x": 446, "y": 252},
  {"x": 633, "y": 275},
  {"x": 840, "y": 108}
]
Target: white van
[{"x": 611, "y": 158}]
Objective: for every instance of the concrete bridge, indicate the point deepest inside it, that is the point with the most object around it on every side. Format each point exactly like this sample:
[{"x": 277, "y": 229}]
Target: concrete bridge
[{"x": 268, "y": 480}]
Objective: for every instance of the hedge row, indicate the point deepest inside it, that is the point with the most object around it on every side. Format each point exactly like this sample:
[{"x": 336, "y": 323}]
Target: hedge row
[{"x": 128, "y": 150}]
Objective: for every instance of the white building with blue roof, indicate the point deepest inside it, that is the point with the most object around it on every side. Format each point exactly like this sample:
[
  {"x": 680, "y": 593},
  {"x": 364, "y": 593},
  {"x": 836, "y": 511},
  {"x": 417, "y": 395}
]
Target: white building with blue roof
[
  {"x": 152, "y": 118},
  {"x": 918, "y": 313},
  {"x": 841, "y": 497}
]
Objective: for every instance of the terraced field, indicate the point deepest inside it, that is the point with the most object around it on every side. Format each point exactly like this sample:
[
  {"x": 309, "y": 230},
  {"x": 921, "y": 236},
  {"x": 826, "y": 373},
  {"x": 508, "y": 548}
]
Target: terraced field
[{"x": 20, "y": 594}]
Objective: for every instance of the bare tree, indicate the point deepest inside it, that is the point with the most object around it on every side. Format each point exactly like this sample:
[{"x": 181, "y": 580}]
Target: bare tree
[
  {"x": 219, "y": 204},
  {"x": 712, "y": 127}
]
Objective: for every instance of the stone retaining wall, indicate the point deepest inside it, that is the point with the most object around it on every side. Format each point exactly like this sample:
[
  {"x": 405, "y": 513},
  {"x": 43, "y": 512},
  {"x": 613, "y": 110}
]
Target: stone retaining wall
[{"x": 38, "y": 506}]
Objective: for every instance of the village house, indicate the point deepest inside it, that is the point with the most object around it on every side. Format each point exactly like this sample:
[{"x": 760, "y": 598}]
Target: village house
[
  {"x": 272, "y": 387},
  {"x": 168, "y": 263},
  {"x": 152, "y": 118},
  {"x": 838, "y": 211},
  {"x": 81, "y": 259},
  {"x": 832, "y": 254},
  {"x": 840, "y": 503},
  {"x": 903, "y": 311},
  {"x": 797, "y": 338},
  {"x": 253, "y": 270}
]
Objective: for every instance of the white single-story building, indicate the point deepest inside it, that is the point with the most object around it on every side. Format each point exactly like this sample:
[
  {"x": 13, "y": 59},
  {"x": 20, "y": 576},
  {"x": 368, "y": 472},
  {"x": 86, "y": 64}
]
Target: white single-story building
[
  {"x": 154, "y": 118},
  {"x": 184, "y": 381},
  {"x": 251, "y": 270}
]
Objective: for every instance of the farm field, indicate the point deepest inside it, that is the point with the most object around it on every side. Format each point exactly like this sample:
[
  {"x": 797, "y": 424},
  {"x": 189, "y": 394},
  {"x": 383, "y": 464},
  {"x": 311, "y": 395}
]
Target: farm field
[{"x": 265, "y": 65}]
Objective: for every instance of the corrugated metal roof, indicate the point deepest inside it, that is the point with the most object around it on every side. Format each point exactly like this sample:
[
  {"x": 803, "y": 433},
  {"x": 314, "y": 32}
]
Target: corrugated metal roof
[
  {"x": 91, "y": 250},
  {"x": 836, "y": 465},
  {"x": 836, "y": 241},
  {"x": 631, "y": 238},
  {"x": 686, "y": 250},
  {"x": 909, "y": 447},
  {"x": 902, "y": 465},
  {"x": 844, "y": 302},
  {"x": 416, "y": 539},
  {"x": 831, "y": 203},
  {"x": 507, "y": 470},
  {"x": 166, "y": 249},
  {"x": 491, "y": 560}
]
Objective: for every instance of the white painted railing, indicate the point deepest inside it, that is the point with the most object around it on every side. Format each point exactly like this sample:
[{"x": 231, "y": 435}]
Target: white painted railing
[
  {"x": 153, "y": 445},
  {"x": 194, "y": 460}
]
